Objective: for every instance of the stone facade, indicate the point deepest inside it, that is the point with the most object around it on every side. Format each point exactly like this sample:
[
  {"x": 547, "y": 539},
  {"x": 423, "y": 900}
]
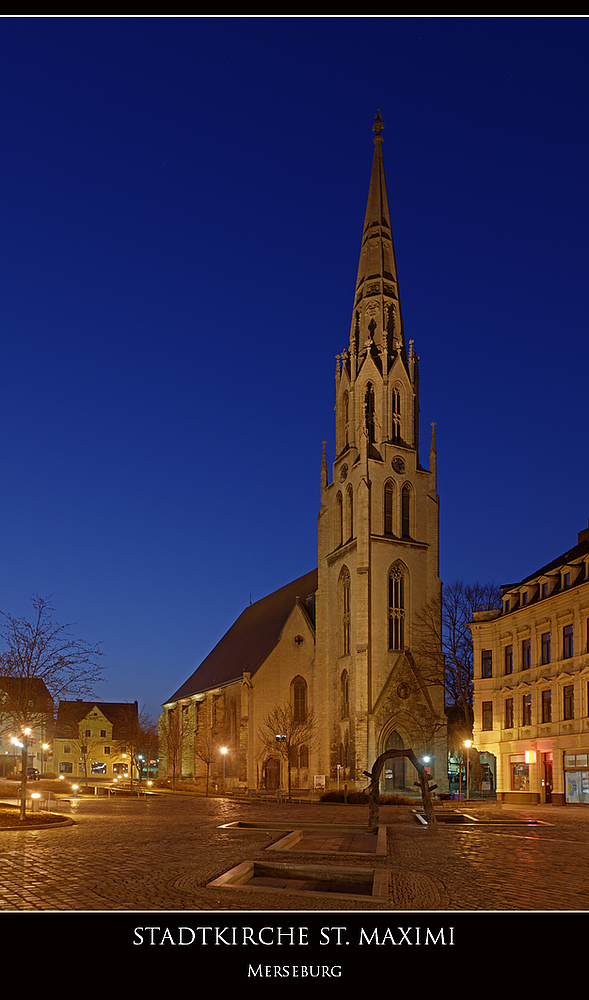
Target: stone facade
[
  {"x": 531, "y": 683},
  {"x": 340, "y": 643}
]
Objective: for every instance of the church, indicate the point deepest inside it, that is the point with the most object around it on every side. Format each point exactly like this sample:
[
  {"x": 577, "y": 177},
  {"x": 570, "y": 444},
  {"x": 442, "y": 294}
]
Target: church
[{"x": 314, "y": 681}]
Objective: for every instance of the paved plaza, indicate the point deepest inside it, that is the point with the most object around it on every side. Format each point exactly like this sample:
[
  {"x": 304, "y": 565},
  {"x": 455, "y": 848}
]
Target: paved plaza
[{"x": 161, "y": 853}]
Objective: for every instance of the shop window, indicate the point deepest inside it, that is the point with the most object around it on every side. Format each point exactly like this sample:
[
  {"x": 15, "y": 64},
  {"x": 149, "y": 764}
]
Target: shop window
[{"x": 519, "y": 773}]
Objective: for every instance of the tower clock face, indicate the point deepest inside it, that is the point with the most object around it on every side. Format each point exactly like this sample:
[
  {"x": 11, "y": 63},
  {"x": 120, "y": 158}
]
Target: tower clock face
[
  {"x": 398, "y": 464},
  {"x": 343, "y": 473}
]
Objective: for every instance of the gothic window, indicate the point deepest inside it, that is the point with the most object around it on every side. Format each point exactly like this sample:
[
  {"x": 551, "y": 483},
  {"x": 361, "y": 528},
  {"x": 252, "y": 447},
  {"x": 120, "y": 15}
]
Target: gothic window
[
  {"x": 349, "y": 513},
  {"x": 299, "y": 698},
  {"x": 369, "y": 413},
  {"x": 345, "y": 610},
  {"x": 338, "y": 520},
  {"x": 345, "y": 416},
  {"x": 303, "y": 756},
  {"x": 389, "y": 496},
  {"x": 397, "y": 608},
  {"x": 396, "y": 416},
  {"x": 345, "y": 694},
  {"x": 406, "y": 511}
]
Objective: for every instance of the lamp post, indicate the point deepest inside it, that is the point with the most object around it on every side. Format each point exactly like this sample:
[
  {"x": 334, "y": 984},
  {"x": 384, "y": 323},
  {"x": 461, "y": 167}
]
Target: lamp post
[
  {"x": 24, "y": 747},
  {"x": 280, "y": 738},
  {"x": 223, "y": 753},
  {"x": 468, "y": 744}
]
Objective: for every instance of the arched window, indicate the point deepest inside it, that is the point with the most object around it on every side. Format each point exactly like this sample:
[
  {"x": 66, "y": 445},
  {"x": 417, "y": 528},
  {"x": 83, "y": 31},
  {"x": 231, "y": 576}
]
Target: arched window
[
  {"x": 345, "y": 416},
  {"x": 369, "y": 413},
  {"x": 299, "y": 698},
  {"x": 345, "y": 609},
  {"x": 349, "y": 513},
  {"x": 389, "y": 495},
  {"x": 339, "y": 513},
  {"x": 397, "y": 608},
  {"x": 406, "y": 511},
  {"x": 345, "y": 694},
  {"x": 396, "y": 416},
  {"x": 303, "y": 756}
]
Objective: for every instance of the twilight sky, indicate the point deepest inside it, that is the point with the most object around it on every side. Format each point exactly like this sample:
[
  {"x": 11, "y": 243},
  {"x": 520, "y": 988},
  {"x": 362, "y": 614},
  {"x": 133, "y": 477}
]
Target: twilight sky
[{"x": 182, "y": 210}]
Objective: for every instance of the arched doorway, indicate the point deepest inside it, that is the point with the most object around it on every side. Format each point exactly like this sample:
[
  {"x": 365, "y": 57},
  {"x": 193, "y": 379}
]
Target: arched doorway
[
  {"x": 394, "y": 770},
  {"x": 272, "y": 773}
]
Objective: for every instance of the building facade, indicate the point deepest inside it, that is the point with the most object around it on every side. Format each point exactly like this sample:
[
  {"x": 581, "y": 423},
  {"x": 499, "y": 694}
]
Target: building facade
[
  {"x": 531, "y": 683},
  {"x": 339, "y": 645},
  {"x": 95, "y": 739},
  {"x": 25, "y": 704}
]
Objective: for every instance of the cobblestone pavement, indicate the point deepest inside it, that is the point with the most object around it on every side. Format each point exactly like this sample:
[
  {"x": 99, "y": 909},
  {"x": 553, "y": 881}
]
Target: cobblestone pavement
[{"x": 161, "y": 853}]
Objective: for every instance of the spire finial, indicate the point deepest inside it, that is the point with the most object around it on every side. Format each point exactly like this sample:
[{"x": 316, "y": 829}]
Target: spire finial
[{"x": 378, "y": 125}]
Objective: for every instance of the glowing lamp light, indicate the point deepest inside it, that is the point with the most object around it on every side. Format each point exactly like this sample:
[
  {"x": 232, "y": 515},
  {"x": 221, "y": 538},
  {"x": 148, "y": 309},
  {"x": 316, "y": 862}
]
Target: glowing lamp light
[{"x": 530, "y": 756}]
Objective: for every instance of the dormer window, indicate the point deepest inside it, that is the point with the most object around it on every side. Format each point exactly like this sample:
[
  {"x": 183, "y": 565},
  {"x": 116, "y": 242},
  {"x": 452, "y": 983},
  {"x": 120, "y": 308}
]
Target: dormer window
[
  {"x": 566, "y": 580},
  {"x": 524, "y": 597}
]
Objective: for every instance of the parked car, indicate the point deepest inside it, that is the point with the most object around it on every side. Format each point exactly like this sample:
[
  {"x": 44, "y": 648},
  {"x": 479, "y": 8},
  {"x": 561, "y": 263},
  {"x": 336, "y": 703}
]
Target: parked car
[{"x": 32, "y": 774}]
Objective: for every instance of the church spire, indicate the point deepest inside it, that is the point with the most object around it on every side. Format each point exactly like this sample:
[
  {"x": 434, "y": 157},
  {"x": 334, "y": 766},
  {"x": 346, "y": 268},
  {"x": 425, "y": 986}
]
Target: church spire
[{"x": 377, "y": 326}]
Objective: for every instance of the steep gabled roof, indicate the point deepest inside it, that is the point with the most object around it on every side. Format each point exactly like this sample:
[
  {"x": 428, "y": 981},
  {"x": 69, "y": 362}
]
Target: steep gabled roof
[
  {"x": 251, "y": 639},
  {"x": 121, "y": 714},
  {"x": 27, "y": 689}
]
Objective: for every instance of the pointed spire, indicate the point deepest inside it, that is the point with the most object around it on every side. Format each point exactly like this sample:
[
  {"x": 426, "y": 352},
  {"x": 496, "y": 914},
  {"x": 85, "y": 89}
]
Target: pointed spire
[{"x": 376, "y": 316}]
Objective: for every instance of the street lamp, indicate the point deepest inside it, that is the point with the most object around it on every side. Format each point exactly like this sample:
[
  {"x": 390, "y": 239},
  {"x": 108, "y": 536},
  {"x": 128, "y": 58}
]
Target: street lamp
[
  {"x": 280, "y": 738},
  {"x": 223, "y": 753},
  {"x": 468, "y": 744}
]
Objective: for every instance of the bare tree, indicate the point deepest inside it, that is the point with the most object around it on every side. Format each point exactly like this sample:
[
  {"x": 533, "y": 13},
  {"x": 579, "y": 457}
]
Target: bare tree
[
  {"x": 444, "y": 640},
  {"x": 206, "y": 749},
  {"x": 41, "y": 650},
  {"x": 285, "y": 733}
]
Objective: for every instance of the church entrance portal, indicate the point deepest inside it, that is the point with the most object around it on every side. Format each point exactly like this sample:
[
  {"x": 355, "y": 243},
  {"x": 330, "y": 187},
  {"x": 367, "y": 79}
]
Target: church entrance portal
[{"x": 394, "y": 770}]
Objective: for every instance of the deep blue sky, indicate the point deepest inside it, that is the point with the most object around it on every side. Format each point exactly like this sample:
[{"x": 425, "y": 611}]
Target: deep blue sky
[{"x": 182, "y": 206}]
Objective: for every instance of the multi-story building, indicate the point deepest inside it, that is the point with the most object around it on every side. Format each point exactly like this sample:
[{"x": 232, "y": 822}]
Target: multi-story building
[
  {"x": 96, "y": 739},
  {"x": 531, "y": 683},
  {"x": 340, "y": 642},
  {"x": 25, "y": 706}
]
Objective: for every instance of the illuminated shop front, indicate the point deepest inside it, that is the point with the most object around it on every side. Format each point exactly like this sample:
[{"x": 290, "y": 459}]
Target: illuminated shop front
[{"x": 576, "y": 775}]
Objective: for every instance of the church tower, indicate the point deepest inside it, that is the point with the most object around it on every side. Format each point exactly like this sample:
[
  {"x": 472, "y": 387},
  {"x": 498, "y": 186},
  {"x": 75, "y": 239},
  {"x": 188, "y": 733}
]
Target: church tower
[{"x": 378, "y": 537}]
